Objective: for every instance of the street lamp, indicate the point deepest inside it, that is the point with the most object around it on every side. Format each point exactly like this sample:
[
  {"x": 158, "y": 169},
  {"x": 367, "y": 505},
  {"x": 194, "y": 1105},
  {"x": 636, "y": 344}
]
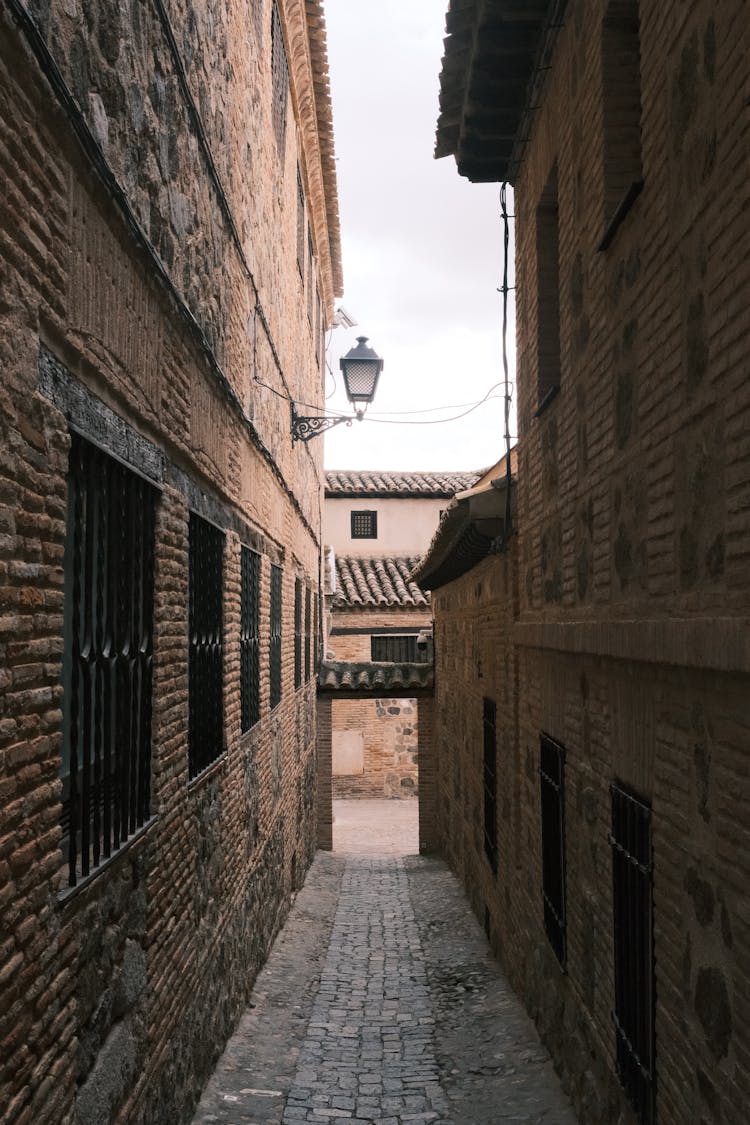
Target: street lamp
[{"x": 361, "y": 367}]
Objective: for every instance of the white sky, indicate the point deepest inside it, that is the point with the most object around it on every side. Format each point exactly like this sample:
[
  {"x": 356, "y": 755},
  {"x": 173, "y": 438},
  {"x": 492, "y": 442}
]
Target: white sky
[{"x": 422, "y": 247}]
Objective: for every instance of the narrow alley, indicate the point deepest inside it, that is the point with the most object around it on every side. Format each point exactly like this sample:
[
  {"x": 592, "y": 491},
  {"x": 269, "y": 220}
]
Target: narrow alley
[{"x": 381, "y": 1001}]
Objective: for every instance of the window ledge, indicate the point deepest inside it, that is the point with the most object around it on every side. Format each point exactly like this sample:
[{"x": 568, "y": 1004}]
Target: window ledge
[
  {"x": 549, "y": 397},
  {"x": 67, "y": 894},
  {"x": 208, "y": 771},
  {"x": 619, "y": 213}
]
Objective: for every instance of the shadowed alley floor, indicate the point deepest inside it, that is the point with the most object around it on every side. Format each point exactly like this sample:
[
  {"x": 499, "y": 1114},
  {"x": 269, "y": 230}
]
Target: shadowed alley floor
[{"x": 380, "y": 1001}]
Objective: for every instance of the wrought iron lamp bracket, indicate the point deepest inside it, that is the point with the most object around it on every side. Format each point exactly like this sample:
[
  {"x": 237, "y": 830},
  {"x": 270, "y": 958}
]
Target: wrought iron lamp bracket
[{"x": 307, "y": 426}]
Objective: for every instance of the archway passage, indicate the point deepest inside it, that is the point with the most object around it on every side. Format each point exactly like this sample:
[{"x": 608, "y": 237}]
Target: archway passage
[{"x": 339, "y": 680}]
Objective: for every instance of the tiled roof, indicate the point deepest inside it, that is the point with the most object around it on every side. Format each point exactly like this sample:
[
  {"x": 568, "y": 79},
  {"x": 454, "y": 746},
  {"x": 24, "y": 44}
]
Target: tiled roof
[
  {"x": 376, "y": 582},
  {"x": 384, "y": 484},
  {"x": 380, "y": 679}
]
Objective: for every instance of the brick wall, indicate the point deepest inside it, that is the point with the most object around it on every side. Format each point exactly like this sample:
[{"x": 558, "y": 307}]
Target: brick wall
[
  {"x": 389, "y": 729},
  {"x": 626, "y": 643},
  {"x": 145, "y": 309}
]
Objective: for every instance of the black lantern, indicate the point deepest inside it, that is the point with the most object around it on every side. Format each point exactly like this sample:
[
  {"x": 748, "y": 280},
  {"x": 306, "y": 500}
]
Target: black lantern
[{"x": 361, "y": 367}]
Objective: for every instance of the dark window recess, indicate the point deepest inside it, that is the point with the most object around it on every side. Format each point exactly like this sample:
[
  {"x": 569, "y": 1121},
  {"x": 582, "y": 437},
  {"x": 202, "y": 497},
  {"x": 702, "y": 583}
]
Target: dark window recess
[
  {"x": 489, "y": 773},
  {"x": 364, "y": 525},
  {"x": 300, "y": 225},
  {"x": 310, "y": 280},
  {"x": 551, "y": 772},
  {"x": 250, "y": 639},
  {"x": 206, "y": 660},
  {"x": 316, "y": 635},
  {"x": 308, "y": 633},
  {"x": 621, "y": 113},
  {"x": 108, "y": 657},
  {"x": 275, "y": 637},
  {"x": 548, "y": 292},
  {"x": 297, "y": 632},
  {"x": 279, "y": 79},
  {"x": 633, "y": 950},
  {"x": 399, "y": 649}
]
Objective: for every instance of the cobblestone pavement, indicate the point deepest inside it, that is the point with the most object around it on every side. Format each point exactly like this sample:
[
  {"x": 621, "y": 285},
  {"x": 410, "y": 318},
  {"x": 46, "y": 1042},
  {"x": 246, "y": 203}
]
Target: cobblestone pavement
[{"x": 381, "y": 1002}]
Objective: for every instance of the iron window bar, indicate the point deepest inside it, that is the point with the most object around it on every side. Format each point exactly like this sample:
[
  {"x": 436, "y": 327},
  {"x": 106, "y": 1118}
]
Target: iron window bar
[
  {"x": 632, "y": 901},
  {"x": 297, "y": 632},
  {"x": 206, "y": 648},
  {"x": 308, "y": 632},
  {"x": 275, "y": 637},
  {"x": 107, "y": 657},
  {"x": 489, "y": 779},
  {"x": 364, "y": 525},
  {"x": 249, "y": 638},
  {"x": 398, "y": 649},
  {"x": 552, "y": 803}
]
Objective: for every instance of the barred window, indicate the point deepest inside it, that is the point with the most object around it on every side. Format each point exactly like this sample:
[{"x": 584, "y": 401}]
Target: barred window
[
  {"x": 316, "y": 635},
  {"x": 621, "y": 113},
  {"x": 633, "y": 949},
  {"x": 108, "y": 657},
  {"x": 364, "y": 525},
  {"x": 279, "y": 79},
  {"x": 548, "y": 292},
  {"x": 489, "y": 725},
  {"x": 400, "y": 648},
  {"x": 249, "y": 638},
  {"x": 552, "y": 767},
  {"x": 300, "y": 225},
  {"x": 275, "y": 639},
  {"x": 310, "y": 278},
  {"x": 206, "y": 658},
  {"x": 297, "y": 632},
  {"x": 308, "y": 627}
]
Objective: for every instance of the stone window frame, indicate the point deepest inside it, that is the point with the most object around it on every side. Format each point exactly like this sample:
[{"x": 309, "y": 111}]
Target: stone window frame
[
  {"x": 110, "y": 549},
  {"x": 552, "y": 826},
  {"x": 621, "y": 114},
  {"x": 206, "y": 543},
  {"x": 634, "y": 1010},
  {"x": 364, "y": 523}
]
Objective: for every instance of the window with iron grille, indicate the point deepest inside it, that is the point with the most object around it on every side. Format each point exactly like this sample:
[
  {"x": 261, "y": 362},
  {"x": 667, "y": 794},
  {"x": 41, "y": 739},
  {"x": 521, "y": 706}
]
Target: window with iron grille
[
  {"x": 310, "y": 278},
  {"x": 249, "y": 638},
  {"x": 633, "y": 949},
  {"x": 108, "y": 657},
  {"x": 399, "y": 648},
  {"x": 552, "y": 797},
  {"x": 364, "y": 525},
  {"x": 316, "y": 635},
  {"x": 548, "y": 292},
  {"x": 297, "y": 632},
  {"x": 489, "y": 725},
  {"x": 279, "y": 79},
  {"x": 308, "y": 635},
  {"x": 300, "y": 225},
  {"x": 206, "y": 657},
  {"x": 275, "y": 640}
]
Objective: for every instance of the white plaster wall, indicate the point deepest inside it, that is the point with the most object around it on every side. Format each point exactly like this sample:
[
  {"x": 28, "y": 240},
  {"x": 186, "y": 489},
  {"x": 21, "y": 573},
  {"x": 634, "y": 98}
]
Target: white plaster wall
[{"x": 405, "y": 526}]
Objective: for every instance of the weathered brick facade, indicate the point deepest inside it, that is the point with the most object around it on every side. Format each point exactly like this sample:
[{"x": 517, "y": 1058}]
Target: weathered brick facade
[
  {"x": 152, "y": 301},
  {"x": 615, "y": 622}
]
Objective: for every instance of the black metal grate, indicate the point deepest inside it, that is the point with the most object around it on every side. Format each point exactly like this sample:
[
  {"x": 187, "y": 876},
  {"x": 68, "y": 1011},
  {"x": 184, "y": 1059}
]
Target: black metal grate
[
  {"x": 108, "y": 657},
  {"x": 399, "y": 648},
  {"x": 633, "y": 950},
  {"x": 279, "y": 79},
  {"x": 206, "y": 658},
  {"x": 275, "y": 636},
  {"x": 552, "y": 796},
  {"x": 489, "y": 772},
  {"x": 297, "y": 632},
  {"x": 308, "y": 631},
  {"x": 364, "y": 525},
  {"x": 250, "y": 638}
]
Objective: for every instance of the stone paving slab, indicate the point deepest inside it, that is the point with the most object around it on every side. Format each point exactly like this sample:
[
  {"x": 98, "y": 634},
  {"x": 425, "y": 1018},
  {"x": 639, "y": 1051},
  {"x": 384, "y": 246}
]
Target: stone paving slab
[{"x": 381, "y": 1002}]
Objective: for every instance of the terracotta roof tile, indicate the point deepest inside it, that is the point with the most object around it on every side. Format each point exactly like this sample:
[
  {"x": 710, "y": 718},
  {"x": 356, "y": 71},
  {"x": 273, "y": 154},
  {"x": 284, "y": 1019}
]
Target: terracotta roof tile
[
  {"x": 380, "y": 679},
  {"x": 345, "y": 483},
  {"x": 362, "y": 582}
]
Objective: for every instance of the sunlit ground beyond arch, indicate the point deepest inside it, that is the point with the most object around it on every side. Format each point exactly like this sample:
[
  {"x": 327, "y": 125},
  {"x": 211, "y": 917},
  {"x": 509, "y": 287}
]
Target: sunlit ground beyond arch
[{"x": 376, "y": 827}]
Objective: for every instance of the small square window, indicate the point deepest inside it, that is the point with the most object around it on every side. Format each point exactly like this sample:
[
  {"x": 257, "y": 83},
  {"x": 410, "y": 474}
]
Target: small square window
[{"x": 364, "y": 525}]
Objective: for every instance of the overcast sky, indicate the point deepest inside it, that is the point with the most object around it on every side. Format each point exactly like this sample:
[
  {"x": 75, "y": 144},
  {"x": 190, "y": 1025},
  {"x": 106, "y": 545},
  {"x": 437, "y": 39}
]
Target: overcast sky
[{"x": 422, "y": 247}]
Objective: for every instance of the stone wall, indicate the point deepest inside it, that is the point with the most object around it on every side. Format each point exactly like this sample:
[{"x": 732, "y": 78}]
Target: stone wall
[
  {"x": 625, "y": 637},
  {"x": 149, "y": 288},
  {"x": 389, "y": 732}
]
